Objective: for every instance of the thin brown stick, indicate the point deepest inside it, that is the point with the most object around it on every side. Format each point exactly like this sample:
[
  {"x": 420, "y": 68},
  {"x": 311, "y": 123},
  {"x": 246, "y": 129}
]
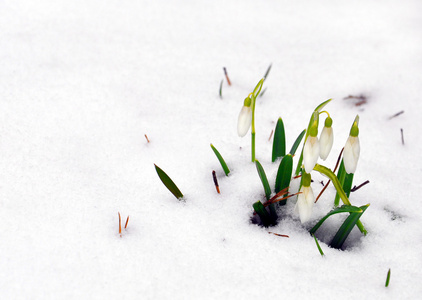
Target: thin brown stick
[
  {"x": 280, "y": 199},
  {"x": 214, "y": 177},
  {"x": 322, "y": 191},
  {"x": 147, "y": 138},
  {"x": 402, "y": 138},
  {"x": 127, "y": 221},
  {"x": 277, "y": 234},
  {"x": 396, "y": 115},
  {"x": 355, "y": 188},
  {"x": 227, "y": 76},
  {"x": 338, "y": 160},
  {"x": 271, "y": 134},
  {"x": 120, "y": 224}
]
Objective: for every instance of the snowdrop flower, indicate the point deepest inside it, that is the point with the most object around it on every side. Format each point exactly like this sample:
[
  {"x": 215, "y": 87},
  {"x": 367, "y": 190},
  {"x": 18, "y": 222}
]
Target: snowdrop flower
[
  {"x": 352, "y": 148},
  {"x": 311, "y": 149},
  {"x": 326, "y": 139},
  {"x": 245, "y": 118},
  {"x": 305, "y": 200}
]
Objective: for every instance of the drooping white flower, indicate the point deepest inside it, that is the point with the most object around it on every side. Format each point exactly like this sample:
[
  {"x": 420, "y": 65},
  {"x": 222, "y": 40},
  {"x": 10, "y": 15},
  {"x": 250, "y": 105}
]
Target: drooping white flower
[
  {"x": 325, "y": 142},
  {"x": 310, "y": 153},
  {"x": 351, "y": 154},
  {"x": 304, "y": 204},
  {"x": 245, "y": 118},
  {"x": 352, "y": 148}
]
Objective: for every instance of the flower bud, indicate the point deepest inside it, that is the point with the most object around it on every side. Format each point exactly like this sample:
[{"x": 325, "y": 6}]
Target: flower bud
[
  {"x": 305, "y": 200},
  {"x": 311, "y": 150},
  {"x": 245, "y": 118},
  {"x": 352, "y": 148},
  {"x": 326, "y": 139}
]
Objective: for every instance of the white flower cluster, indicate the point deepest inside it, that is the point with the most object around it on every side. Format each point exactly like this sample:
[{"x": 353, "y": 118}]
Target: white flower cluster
[{"x": 314, "y": 149}]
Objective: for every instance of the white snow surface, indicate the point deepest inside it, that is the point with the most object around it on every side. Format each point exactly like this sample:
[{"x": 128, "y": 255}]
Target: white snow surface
[{"x": 82, "y": 82}]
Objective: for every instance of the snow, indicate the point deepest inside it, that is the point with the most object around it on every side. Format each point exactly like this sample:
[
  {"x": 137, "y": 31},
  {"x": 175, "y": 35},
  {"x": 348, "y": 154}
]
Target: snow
[{"x": 82, "y": 82}]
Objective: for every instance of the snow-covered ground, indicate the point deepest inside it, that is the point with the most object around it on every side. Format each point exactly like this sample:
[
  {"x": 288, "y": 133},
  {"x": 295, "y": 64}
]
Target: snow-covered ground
[{"x": 82, "y": 82}]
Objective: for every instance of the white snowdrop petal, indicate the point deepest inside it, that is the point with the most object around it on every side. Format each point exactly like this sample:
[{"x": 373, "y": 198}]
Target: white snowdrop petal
[
  {"x": 304, "y": 204},
  {"x": 310, "y": 153},
  {"x": 351, "y": 154},
  {"x": 326, "y": 142},
  {"x": 244, "y": 121}
]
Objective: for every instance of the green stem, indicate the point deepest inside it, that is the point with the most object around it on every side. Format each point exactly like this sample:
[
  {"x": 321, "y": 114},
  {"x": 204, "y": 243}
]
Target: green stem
[
  {"x": 327, "y": 172},
  {"x": 253, "y": 128}
]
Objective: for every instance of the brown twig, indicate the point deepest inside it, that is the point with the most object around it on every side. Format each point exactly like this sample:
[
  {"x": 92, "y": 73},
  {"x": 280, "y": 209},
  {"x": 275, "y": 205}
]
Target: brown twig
[
  {"x": 277, "y": 234},
  {"x": 227, "y": 76},
  {"x": 120, "y": 225},
  {"x": 127, "y": 221},
  {"x": 271, "y": 134},
  {"x": 147, "y": 138},
  {"x": 397, "y": 114},
  {"x": 214, "y": 177},
  {"x": 338, "y": 160},
  {"x": 402, "y": 137},
  {"x": 355, "y": 188}
]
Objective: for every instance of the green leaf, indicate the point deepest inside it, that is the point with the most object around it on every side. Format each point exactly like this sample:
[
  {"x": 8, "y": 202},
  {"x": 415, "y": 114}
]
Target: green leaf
[
  {"x": 346, "y": 181},
  {"x": 221, "y": 160},
  {"x": 221, "y": 89},
  {"x": 341, "y": 209},
  {"x": 264, "y": 179},
  {"x": 258, "y": 88},
  {"x": 168, "y": 183},
  {"x": 321, "y": 106},
  {"x": 279, "y": 142},
  {"x": 319, "y": 247},
  {"x": 387, "y": 281},
  {"x": 297, "y": 142},
  {"x": 284, "y": 175},
  {"x": 346, "y": 228},
  {"x": 266, "y": 219}
]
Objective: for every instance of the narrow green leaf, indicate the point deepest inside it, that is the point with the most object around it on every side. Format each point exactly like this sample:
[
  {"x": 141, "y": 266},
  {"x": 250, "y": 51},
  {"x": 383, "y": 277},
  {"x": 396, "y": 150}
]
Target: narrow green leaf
[
  {"x": 341, "y": 209},
  {"x": 221, "y": 89},
  {"x": 319, "y": 247},
  {"x": 263, "y": 214},
  {"x": 268, "y": 71},
  {"x": 221, "y": 160},
  {"x": 284, "y": 175},
  {"x": 387, "y": 281},
  {"x": 346, "y": 228},
  {"x": 279, "y": 142},
  {"x": 297, "y": 142},
  {"x": 321, "y": 106},
  {"x": 258, "y": 88},
  {"x": 341, "y": 175},
  {"x": 264, "y": 179},
  {"x": 168, "y": 183}
]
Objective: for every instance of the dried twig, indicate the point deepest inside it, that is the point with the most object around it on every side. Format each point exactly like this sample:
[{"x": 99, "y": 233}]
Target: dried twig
[
  {"x": 355, "y": 188},
  {"x": 214, "y": 177},
  {"x": 271, "y": 134},
  {"x": 277, "y": 234},
  {"x": 120, "y": 225},
  {"x": 402, "y": 137},
  {"x": 397, "y": 114},
  {"x": 147, "y": 138},
  {"x": 127, "y": 221},
  {"x": 227, "y": 76}
]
